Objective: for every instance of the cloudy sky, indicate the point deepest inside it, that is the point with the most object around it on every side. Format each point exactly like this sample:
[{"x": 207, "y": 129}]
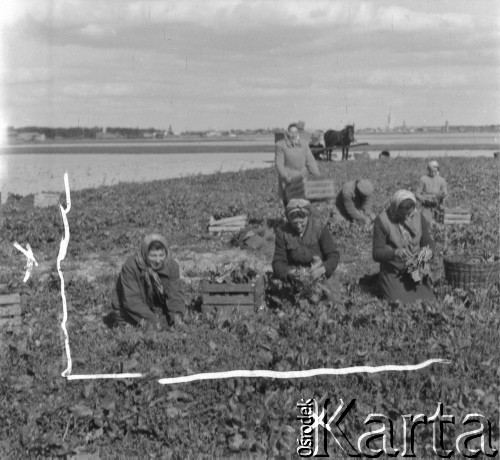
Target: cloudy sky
[{"x": 225, "y": 64}]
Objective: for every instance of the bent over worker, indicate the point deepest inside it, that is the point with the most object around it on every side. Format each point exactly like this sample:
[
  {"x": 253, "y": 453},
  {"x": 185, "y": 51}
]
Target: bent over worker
[{"x": 354, "y": 202}]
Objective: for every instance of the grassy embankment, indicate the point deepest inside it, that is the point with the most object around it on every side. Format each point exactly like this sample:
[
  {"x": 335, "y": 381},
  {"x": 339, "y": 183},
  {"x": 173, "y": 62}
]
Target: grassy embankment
[{"x": 42, "y": 414}]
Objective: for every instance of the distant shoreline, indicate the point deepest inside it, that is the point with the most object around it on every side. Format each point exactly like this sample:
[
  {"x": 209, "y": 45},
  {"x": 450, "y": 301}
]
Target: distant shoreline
[{"x": 89, "y": 148}]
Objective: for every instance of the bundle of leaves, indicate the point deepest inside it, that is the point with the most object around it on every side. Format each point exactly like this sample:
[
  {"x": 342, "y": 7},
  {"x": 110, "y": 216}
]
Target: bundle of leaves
[
  {"x": 239, "y": 274},
  {"x": 230, "y": 211},
  {"x": 418, "y": 265},
  {"x": 307, "y": 288}
]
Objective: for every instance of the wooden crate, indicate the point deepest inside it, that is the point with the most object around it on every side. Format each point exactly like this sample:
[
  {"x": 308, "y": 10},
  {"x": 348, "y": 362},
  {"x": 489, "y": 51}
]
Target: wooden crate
[
  {"x": 46, "y": 199},
  {"x": 313, "y": 189},
  {"x": 319, "y": 189},
  {"x": 244, "y": 298},
  {"x": 10, "y": 311},
  {"x": 457, "y": 216},
  {"x": 228, "y": 224},
  {"x": 295, "y": 190}
]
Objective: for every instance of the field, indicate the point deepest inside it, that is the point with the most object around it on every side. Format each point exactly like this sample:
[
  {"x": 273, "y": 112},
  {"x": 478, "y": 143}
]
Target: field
[{"x": 43, "y": 415}]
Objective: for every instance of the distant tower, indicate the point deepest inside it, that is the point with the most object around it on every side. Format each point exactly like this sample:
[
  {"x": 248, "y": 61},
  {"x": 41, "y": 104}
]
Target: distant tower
[
  {"x": 446, "y": 126},
  {"x": 104, "y": 129},
  {"x": 170, "y": 132},
  {"x": 390, "y": 121}
]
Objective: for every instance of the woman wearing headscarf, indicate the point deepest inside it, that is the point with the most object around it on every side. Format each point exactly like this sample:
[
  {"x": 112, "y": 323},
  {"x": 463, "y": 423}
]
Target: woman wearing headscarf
[
  {"x": 293, "y": 160},
  {"x": 148, "y": 289},
  {"x": 399, "y": 233},
  {"x": 431, "y": 191},
  {"x": 304, "y": 241}
]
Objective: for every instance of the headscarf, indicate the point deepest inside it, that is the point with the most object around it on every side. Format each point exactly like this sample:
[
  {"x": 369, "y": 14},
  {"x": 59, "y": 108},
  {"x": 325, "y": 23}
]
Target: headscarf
[
  {"x": 298, "y": 204},
  {"x": 408, "y": 227},
  {"x": 154, "y": 288}
]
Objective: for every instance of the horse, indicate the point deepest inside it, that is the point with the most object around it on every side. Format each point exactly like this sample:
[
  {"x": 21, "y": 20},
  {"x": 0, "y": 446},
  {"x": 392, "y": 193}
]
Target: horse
[{"x": 339, "y": 139}]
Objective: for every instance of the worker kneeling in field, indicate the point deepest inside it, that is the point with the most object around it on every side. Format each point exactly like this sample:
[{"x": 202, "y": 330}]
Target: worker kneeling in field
[
  {"x": 431, "y": 192},
  {"x": 305, "y": 249},
  {"x": 148, "y": 289},
  {"x": 403, "y": 246},
  {"x": 354, "y": 202}
]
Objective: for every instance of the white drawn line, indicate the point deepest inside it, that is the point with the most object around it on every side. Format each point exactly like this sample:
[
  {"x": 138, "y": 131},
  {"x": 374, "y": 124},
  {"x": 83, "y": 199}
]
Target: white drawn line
[
  {"x": 103, "y": 376},
  {"x": 268, "y": 374},
  {"x": 299, "y": 374},
  {"x": 62, "y": 254},
  {"x": 31, "y": 259}
]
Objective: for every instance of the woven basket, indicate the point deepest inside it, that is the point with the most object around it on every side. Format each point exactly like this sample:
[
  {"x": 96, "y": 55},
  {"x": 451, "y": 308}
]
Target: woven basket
[{"x": 464, "y": 273}]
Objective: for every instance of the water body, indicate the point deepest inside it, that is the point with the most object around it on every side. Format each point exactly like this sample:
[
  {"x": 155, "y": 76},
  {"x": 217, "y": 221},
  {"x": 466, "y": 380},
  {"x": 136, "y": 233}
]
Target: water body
[{"x": 32, "y": 168}]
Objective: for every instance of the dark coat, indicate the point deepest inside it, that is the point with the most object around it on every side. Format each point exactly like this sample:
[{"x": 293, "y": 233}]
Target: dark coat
[
  {"x": 292, "y": 251},
  {"x": 394, "y": 285},
  {"x": 131, "y": 303}
]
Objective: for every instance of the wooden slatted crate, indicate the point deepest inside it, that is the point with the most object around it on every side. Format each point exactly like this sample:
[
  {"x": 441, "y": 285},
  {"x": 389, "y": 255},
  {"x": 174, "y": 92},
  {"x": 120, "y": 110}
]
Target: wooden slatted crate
[
  {"x": 457, "y": 216},
  {"x": 227, "y": 224},
  {"x": 10, "y": 311},
  {"x": 227, "y": 297},
  {"x": 319, "y": 189},
  {"x": 313, "y": 189},
  {"x": 295, "y": 190}
]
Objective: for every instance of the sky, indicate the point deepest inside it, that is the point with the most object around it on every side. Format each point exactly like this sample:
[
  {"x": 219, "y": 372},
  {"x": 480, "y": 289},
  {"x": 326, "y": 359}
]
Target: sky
[{"x": 244, "y": 64}]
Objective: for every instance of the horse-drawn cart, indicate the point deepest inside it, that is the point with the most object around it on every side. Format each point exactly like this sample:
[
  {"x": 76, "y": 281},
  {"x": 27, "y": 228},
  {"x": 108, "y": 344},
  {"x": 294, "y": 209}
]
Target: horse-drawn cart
[
  {"x": 320, "y": 152},
  {"x": 341, "y": 140}
]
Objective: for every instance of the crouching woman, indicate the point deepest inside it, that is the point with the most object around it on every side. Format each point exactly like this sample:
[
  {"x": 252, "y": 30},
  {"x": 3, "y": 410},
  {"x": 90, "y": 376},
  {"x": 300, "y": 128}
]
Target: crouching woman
[
  {"x": 148, "y": 290},
  {"x": 399, "y": 234},
  {"x": 305, "y": 242}
]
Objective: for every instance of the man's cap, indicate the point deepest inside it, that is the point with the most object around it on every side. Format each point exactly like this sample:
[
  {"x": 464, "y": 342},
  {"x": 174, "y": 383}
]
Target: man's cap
[
  {"x": 433, "y": 164},
  {"x": 365, "y": 187}
]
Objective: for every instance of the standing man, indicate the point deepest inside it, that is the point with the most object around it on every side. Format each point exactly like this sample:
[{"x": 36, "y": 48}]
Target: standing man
[
  {"x": 431, "y": 192},
  {"x": 293, "y": 160},
  {"x": 354, "y": 202}
]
